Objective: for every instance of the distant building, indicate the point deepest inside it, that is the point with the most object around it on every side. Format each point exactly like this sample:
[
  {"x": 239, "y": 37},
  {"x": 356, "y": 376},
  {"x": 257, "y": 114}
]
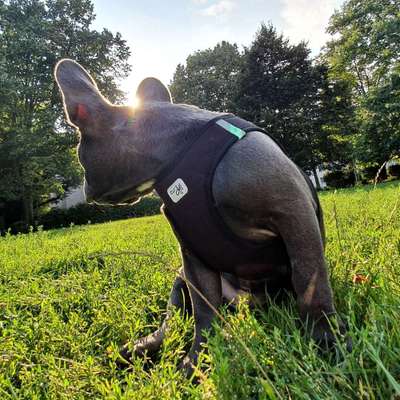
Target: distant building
[
  {"x": 320, "y": 174},
  {"x": 73, "y": 197},
  {"x": 393, "y": 161}
]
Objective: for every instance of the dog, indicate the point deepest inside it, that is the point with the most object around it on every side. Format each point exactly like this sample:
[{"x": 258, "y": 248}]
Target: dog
[{"x": 259, "y": 196}]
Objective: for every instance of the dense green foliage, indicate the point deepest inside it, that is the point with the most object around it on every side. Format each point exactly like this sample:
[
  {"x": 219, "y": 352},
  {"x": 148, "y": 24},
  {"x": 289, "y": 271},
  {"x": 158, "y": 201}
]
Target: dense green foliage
[
  {"x": 37, "y": 149},
  {"x": 340, "y": 178},
  {"x": 70, "y": 297},
  {"x": 292, "y": 98},
  {"x": 365, "y": 53},
  {"x": 209, "y": 78}
]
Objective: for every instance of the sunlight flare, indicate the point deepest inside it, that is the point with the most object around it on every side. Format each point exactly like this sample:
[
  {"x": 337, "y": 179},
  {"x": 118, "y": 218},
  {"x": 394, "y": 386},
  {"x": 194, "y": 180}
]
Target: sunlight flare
[{"x": 133, "y": 100}]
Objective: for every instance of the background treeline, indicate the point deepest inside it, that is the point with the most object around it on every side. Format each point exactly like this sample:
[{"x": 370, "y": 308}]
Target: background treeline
[{"x": 340, "y": 109}]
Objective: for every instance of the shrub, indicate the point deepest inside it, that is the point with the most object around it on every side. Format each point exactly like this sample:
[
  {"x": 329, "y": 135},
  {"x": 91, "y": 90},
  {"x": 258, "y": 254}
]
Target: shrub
[
  {"x": 91, "y": 213},
  {"x": 369, "y": 173},
  {"x": 339, "y": 178}
]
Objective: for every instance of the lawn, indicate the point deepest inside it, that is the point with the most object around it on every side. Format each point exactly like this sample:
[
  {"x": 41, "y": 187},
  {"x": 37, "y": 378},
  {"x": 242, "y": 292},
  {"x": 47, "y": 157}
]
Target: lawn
[{"x": 70, "y": 297}]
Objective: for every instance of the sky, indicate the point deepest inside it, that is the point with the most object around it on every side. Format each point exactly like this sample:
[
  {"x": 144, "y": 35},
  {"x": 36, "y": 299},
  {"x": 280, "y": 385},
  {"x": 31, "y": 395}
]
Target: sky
[{"x": 161, "y": 34}]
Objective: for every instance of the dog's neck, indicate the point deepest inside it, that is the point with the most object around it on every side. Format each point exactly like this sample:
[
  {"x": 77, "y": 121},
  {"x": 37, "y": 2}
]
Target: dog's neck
[{"x": 166, "y": 130}]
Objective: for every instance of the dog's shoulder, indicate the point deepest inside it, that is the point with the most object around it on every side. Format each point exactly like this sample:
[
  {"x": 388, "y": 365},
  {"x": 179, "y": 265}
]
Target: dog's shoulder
[{"x": 256, "y": 170}]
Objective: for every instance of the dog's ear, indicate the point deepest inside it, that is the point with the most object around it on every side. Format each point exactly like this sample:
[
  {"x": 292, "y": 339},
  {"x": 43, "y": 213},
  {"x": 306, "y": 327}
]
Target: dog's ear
[
  {"x": 151, "y": 89},
  {"x": 83, "y": 102}
]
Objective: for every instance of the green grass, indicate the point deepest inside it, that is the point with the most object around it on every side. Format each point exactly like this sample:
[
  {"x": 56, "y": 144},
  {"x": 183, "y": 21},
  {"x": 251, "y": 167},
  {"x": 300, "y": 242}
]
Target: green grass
[{"x": 70, "y": 297}]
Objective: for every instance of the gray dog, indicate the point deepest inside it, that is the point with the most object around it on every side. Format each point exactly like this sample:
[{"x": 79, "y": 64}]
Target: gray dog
[{"x": 259, "y": 194}]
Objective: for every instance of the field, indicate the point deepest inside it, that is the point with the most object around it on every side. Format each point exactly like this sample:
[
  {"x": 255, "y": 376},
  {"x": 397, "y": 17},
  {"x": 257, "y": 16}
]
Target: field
[{"x": 70, "y": 297}]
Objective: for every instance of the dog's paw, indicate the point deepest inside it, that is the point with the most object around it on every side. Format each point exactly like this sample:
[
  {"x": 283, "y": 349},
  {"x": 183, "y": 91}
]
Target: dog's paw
[
  {"x": 188, "y": 369},
  {"x": 328, "y": 331},
  {"x": 127, "y": 352},
  {"x": 124, "y": 360}
]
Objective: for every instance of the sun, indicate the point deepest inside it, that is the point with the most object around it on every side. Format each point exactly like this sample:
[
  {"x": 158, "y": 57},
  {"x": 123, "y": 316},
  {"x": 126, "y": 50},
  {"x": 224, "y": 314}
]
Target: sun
[{"x": 133, "y": 100}]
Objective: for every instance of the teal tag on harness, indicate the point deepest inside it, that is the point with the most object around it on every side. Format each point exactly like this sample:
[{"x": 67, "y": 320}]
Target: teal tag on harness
[{"x": 234, "y": 130}]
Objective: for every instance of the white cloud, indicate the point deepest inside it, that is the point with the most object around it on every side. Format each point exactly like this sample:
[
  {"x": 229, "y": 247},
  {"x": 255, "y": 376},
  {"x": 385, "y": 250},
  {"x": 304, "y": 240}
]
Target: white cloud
[
  {"x": 201, "y": 2},
  {"x": 223, "y": 7},
  {"x": 308, "y": 19}
]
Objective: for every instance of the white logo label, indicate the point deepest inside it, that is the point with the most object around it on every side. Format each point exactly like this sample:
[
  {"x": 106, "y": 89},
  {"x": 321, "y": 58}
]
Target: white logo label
[{"x": 177, "y": 190}]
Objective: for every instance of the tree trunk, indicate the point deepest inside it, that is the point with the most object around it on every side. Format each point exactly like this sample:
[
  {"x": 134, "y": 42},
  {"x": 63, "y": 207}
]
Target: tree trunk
[
  {"x": 28, "y": 209},
  {"x": 353, "y": 166},
  {"x": 2, "y": 223},
  {"x": 316, "y": 178}
]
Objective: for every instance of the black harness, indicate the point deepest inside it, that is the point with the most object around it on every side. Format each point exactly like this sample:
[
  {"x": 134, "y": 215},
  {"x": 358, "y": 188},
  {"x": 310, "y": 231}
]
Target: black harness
[{"x": 186, "y": 191}]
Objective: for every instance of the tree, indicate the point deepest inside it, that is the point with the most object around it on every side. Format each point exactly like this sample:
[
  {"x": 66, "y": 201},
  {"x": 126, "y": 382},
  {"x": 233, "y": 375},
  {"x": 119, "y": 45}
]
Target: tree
[
  {"x": 37, "y": 156},
  {"x": 381, "y": 122},
  {"x": 365, "y": 52},
  {"x": 291, "y": 98},
  {"x": 325, "y": 122},
  {"x": 209, "y": 78},
  {"x": 275, "y": 75},
  {"x": 367, "y": 42},
  {"x": 275, "y": 89},
  {"x": 335, "y": 113}
]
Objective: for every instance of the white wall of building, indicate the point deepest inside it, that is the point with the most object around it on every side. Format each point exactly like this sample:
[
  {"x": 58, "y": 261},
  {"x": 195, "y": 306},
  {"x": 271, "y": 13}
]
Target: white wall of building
[
  {"x": 74, "y": 196},
  {"x": 320, "y": 173}
]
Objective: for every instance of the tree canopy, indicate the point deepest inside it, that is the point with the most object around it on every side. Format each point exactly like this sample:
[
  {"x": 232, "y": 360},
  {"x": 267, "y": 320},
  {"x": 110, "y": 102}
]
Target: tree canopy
[
  {"x": 209, "y": 78},
  {"x": 37, "y": 155},
  {"x": 365, "y": 52},
  {"x": 274, "y": 84}
]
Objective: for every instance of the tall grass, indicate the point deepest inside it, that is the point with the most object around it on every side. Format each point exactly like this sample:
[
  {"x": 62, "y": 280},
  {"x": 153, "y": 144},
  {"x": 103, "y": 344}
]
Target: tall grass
[{"x": 70, "y": 297}]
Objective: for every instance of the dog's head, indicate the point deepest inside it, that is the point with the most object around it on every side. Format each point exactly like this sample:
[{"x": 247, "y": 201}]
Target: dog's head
[{"x": 112, "y": 149}]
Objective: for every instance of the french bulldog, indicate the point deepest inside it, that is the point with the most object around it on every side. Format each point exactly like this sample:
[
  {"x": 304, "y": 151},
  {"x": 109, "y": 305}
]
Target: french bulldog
[{"x": 260, "y": 194}]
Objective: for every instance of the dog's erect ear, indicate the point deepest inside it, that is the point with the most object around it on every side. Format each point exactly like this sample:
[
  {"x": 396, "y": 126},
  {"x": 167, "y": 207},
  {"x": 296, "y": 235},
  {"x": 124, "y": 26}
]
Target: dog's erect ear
[
  {"x": 151, "y": 89},
  {"x": 83, "y": 102}
]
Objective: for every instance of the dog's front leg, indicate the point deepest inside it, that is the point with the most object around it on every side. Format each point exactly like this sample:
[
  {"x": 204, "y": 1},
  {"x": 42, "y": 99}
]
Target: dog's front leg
[
  {"x": 204, "y": 286},
  {"x": 179, "y": 299}
]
